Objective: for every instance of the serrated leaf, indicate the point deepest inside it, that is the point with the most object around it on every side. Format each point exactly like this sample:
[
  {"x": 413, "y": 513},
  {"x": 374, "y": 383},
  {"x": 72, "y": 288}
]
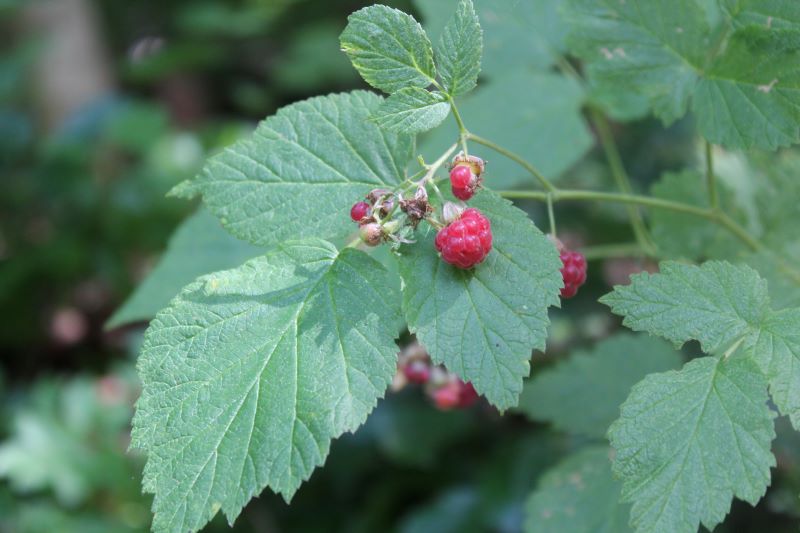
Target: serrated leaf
[
  {"x": 302, "y": 169},
  {"x": 582, "y": 394},
  {"x": 579, "y": 495},
  {"x": 389, "y": 49},
  {"x": 484, "y": 323},
  {"x": 690, "y": 441},
  {"x": 412, "y": 110},
  {"x": 744, "y": 93},
  {"x": 458, "y": 52},
  {"x": 516, "y": 34},
  {"x": 777, "y": 352},
  {"x": 199, "y": 246},
  {"x": 251, "y": 372},
  {"x": 682, "y": 236},
  {"x": 542, "y": 122},
  {"x": 717, "y": 303}
]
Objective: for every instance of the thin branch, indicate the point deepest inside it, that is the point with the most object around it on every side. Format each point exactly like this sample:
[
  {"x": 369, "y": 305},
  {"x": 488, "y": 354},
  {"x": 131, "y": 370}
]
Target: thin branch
[{"x": 514, "y": 157}]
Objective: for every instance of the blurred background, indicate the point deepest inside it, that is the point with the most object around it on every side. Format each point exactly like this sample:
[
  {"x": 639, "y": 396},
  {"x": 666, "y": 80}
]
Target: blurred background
[{"x": 107, "y": 104}]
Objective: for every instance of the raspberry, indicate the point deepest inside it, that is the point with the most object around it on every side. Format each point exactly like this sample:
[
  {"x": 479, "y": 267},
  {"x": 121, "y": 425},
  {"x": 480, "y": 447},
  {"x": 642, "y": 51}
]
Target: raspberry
[
  {"x": 360, "y": 211},
  {"x": 417, "y": 371},
  {"x": 447, "y": 396},
  {"x": 463, "y": 182},
  {"x": 454, "y": 394},
  {"x": 573, "y": 272},
  {"x": 466, "y": 241}
]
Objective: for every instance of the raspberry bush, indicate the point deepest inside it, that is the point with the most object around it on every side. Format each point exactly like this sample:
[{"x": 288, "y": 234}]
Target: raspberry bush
[{"x": 357, "y": 243}]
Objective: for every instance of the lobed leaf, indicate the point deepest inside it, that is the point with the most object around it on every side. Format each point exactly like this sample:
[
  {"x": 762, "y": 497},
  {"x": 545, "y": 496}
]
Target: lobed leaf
[
  {"x": 251, "y": 372},
  {"x": 717, "y": 303},
  {"x": 302, "y": 169},
  {"x": 389, "y": 49},
  {"x": 483, "y": 323},
  {"x": 412, "y": 110},
  {"x": 690, "y": 441}
]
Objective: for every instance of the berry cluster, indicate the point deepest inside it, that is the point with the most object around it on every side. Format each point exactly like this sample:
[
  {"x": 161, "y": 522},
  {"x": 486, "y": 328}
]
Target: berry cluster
[{"x": 445, "y": 389}]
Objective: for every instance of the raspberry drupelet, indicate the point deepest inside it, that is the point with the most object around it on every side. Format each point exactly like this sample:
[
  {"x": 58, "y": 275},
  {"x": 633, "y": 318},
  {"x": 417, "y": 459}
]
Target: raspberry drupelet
[{"x": 466, "y": 241}]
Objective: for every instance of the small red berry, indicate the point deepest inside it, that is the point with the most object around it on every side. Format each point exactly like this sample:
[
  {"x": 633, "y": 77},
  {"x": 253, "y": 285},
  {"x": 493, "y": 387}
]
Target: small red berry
[
  {"x": 448, "y": 396},
  {"x": 463, "y": 182},
  {"x": 573, "y": 272},
  {"x": 417, "y": 371},
  {"x": 360, "y": 211},
  {"x": 467, "y": 395},
  {"x": 466, "y": 241}
]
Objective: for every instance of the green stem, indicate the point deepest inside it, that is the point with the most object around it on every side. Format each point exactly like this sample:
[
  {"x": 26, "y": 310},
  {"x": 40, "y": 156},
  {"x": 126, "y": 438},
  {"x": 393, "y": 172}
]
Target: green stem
[
  {"x": 514, "y": 157},
  {"x": 463, "y": 134},
  {"x": 570, "y": 194},
  {"x": 551, "y": 215},
  {"x": 711, "y": 181},
  {"x": 621, "y": 177}
]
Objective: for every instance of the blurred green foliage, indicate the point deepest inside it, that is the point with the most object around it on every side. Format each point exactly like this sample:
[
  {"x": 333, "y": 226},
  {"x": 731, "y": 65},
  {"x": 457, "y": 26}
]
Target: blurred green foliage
[{"x": 83, "y": 218}]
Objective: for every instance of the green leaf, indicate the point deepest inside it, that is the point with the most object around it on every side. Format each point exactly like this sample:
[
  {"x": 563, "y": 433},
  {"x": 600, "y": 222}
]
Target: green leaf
[
  {"x": 778, "y": 14},
  {"x": 690, "y": 441},
  {"x": 459, "y": 50},
  {"x": 542, "y": 122},
  {"x": 389, "y": 49},
  {"x": 199, "y": 246},
  {"x": 777, "y": 351},
  {"x": 412, "y": 110},
  {"x": 745, "y": 93},
  {"x": 251, "y": 372},
  {"x": 717, "y": 303},
  {"x": 516, "y": 34},
  {"x": 483, "y": 323},
  {"x": 680, "y": 235},
  {"x": 582, "y": 394},
  {"x": 579, "y": 495},
  {"x": 284, "y": 182}
]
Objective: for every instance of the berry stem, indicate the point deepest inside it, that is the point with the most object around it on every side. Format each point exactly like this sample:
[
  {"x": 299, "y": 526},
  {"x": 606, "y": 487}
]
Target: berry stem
[
  {"x": 514, "y": 157},
  {"x": 711, "y": 180},
  {"x": 621, "y": 178},
  {"x": 463, "y": 134},
  {"x": 551, "y": 215}
]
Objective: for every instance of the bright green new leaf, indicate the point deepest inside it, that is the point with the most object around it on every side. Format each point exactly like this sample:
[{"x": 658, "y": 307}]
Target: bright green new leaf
[
  {"x": 199, "y": 246},
  {"x": 717, "y": 303},
  {"x": 579, "y": 495},
  {"x": 302, "y": 169},
  {"x": 389, "y": 49},
  {"x": 690, "y": 441},
  {"x": 744, "y": 87},
  {"x": 412, "y": 110},
  {"x": 541, "y": 121},
  {"x": 251, "y": 372},
  {"x": 458, "y": 53},
  {"x": 582, "y": 394},
  {"x": 484, "y": 323}
]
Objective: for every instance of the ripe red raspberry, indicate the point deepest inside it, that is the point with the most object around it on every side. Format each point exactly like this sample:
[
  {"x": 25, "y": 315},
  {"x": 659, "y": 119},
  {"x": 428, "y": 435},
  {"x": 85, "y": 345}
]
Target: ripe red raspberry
[
  {"x": 466, "y": 241},
  {"x": 417, "y": 371},
  {"x": 463, "y": 182},
  {"x": 360, "y": 211},
  {"x": 573, "y": 272},
  {"x": 454, "y": 394}
]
